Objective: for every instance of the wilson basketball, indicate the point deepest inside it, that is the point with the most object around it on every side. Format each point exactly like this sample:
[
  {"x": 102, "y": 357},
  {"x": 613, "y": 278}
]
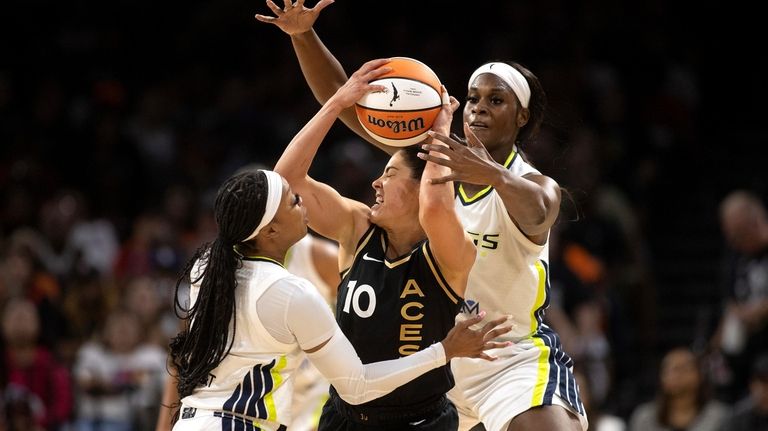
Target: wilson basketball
[{"x": 403, "y": 114}]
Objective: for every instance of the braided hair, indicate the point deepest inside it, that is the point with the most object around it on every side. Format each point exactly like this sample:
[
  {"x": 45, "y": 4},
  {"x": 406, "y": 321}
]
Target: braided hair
[{"x": 199, "y": 348}]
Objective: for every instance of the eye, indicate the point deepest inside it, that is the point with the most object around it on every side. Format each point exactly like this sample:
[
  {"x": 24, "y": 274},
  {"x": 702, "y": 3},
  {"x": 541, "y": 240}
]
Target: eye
[
  {"x": 471, "y": 99},
  {"x": 497, "y": 100}
]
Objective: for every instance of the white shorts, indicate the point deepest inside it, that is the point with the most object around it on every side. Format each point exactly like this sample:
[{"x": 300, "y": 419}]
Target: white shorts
[
  {"x": 193, "y": 419},
  {"x": 533, "y": 372}
]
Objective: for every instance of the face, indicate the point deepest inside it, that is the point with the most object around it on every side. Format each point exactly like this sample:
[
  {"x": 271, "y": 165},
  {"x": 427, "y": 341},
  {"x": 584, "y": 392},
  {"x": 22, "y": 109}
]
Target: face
[
  {"x": 741, "y": 224},
  {"x": 21, "y": 323},
  {"x": 493, "y": 111},
  {"x": 397, "y": 194},
  {"x": 679, "y": 373},
  {"x": 291, "y": 216}
]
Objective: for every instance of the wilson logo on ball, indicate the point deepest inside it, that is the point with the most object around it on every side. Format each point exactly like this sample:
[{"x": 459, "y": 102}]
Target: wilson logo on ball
[
  {"x": 395, "y": 126},
  {"x": 401, "y": 115}
]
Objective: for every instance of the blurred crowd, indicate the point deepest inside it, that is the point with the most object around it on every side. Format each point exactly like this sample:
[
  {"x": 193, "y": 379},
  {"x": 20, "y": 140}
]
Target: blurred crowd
[{"x": 116, "y": 128}]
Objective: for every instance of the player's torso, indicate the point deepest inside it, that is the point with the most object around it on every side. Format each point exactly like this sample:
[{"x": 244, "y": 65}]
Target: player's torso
[
  {"x": 393, "y": 308},
  {"x": 509, "y": 276}
]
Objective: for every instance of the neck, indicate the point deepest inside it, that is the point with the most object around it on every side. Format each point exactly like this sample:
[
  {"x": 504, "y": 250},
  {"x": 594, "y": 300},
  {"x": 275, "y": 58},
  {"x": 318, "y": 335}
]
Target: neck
[
  {"x": 401, "y": 241},
  {"x": 272, "y": 253},
  {"x": 502, "y": 152}
]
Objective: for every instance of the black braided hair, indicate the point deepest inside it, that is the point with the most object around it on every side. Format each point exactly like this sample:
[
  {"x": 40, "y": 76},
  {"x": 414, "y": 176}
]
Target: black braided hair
[{"x": 199, "y": 348}]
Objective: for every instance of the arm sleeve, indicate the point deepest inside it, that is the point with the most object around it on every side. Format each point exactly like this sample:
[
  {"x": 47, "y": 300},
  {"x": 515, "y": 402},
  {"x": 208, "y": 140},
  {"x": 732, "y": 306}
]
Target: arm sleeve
[
  {"x": 337, "y": 360},
  {"x": 357, "y": 383}
]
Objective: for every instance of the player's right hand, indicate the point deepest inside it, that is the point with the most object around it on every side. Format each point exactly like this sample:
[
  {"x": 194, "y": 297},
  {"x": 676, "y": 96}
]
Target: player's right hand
[{"x": 463, "y": 341}]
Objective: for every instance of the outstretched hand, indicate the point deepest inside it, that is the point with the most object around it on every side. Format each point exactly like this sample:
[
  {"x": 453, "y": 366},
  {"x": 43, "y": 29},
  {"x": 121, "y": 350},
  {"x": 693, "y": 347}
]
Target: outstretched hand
[
  {"x": 471, "y": 164},
  {"x": 358, "y": 84},
  {"x": 462, "y": 341},
  {"x": 293, "y": 18}
]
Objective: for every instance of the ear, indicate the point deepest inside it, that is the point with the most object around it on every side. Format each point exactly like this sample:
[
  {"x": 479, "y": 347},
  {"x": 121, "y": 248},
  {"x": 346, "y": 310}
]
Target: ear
[
  {"x": 522, "y": 117},
  {"x": 272, "y": 230}
]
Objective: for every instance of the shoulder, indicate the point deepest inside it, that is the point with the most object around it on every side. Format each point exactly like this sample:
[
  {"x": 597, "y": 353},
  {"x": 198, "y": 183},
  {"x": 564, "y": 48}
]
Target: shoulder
[
  {"x": 644, "y": 413},
  {"x": 716, "y": 410}
]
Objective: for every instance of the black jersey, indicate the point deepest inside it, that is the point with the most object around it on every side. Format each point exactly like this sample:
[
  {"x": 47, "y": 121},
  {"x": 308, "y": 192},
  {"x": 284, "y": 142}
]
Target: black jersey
[{"x": 393, "y": 308}]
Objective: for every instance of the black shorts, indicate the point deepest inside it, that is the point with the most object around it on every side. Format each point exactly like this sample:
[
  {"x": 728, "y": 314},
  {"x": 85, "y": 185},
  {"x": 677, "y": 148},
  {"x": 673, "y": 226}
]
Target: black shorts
[{"x": 438, "y": 415}]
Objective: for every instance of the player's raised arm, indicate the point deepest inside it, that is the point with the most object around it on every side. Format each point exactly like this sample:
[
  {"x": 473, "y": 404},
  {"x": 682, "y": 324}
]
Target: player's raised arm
[{"x": 323, "y": 72}]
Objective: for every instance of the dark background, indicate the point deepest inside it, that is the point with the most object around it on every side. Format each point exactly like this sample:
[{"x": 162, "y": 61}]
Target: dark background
[{"x": 661, "y": 102}]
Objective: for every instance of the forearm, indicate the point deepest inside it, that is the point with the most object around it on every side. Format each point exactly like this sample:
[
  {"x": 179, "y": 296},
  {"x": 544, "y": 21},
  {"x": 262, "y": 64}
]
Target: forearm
[
  {"x": 321, "y": 69},
  {"x": 357, "y": 383},
  {"x": 533, "y": 205},
  {"x": 325, "y": 75}
]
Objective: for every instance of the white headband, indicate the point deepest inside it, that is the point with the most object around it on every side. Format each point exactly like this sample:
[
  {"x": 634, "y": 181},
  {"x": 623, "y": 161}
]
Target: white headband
[
  {"x": 274, "y": 196},
  {"x": 510, "y": 76}
]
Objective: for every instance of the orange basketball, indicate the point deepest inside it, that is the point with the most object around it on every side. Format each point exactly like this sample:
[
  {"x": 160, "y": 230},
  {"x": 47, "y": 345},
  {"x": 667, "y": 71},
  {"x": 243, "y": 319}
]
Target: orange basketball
[{"x": 403, "y": 114}]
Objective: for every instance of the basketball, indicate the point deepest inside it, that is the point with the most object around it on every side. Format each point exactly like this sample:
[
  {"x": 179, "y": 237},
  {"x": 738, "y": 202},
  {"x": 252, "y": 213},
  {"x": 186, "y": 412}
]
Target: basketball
[{"x": 402, "y": 115}]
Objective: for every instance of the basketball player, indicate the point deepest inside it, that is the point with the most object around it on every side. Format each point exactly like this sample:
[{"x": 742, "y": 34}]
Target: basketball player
[
  {"x": 509, "y": 208},
  {"x": 250, "y": 318},
  {"x": 314, "y": 259},
  {"x": 404, "y": 265}
]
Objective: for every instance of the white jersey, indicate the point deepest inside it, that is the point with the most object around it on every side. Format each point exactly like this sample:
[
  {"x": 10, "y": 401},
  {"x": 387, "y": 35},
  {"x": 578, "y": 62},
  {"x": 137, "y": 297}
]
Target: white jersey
[
  {"x": 255, "y": 379},
  {"x": 510, "y": 277},
  {"x": 299, "y": 261},
  {"x": 510, "y": 274}
]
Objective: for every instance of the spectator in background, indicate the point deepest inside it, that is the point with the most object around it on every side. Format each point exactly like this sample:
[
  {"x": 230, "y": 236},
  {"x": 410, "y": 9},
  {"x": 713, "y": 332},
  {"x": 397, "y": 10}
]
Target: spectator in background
[
  {"x": 118, "y": 378},
  {"x": 743, "y": 328},
  {"x": 38, "y": 388},
  {"x": 751, "y": 413},
  {"x": 683, "y": 401}
]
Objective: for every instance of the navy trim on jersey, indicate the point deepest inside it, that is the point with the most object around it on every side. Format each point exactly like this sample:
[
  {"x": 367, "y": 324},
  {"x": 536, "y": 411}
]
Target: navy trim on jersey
[
  {"x": 539, "y": 313},
  {"x": 248, "y": 397},
  {"x": 561, "y": 378}
]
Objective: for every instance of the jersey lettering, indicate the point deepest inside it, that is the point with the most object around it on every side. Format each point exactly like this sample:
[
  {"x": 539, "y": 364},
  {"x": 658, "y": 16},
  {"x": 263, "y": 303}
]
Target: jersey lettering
[
  {"x": 411, "y": 313},
  {"x": 488, "y": 241},
  {"x": 353, "y": 299}
]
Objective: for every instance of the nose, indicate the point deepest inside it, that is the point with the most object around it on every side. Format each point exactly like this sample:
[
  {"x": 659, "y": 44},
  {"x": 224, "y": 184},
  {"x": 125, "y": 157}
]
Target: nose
[
  {"x": 376, "y": 184},
  {"x": 479, "y": 107}
]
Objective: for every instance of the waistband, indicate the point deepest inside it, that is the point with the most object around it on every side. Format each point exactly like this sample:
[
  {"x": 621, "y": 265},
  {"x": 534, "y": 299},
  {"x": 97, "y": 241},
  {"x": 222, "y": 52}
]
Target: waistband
[
  {"x": 388, "y": 415},
  {"x": 187, "y": 412}
]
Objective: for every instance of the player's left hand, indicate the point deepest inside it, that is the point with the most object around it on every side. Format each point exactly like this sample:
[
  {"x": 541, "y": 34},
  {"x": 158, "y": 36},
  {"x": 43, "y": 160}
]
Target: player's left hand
[{"x": 293, "y": 18}]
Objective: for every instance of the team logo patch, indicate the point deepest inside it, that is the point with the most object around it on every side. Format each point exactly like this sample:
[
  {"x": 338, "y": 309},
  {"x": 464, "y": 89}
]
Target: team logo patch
[
  {"x": 188, "y": 412},
  {"x": 470, "y": 307}
]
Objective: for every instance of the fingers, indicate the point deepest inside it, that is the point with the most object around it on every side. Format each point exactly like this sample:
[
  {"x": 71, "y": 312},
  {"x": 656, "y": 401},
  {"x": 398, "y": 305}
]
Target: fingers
[
  {"x": 322, "y": 4},
  {"x": 434, "y": 159},
  {"x": 454, "y": 104},
  {"x": 486, "y": 356},
  {"x": 497, "y": 332},
  {"x": 471, "y": 321},
  {"x": 444, "y": 94},
  {"x": 443, "y": 180},
  {"x": 264, "y": 18},
  {"x": 274, "y": 8},
  {"x": 472, "y": 139},
  {"x": 442, "y": 138},
  {"x": 288, "y": 5}
]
